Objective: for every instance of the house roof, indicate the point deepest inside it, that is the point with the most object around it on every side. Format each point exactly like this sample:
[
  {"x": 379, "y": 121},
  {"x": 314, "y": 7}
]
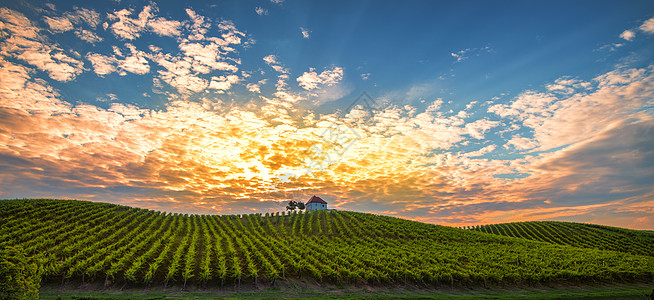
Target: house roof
[{"x": 315, "y": 199}]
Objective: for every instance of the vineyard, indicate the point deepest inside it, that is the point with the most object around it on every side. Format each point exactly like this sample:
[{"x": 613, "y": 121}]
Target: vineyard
[
  {"x": 111, "y": 244},
  {"x": 577, "y": 235}
]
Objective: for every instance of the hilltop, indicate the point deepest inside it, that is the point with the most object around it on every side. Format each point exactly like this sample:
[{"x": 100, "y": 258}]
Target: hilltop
[
  {"x": 577, "y": 235},
  {"x": 113, "y": 245}
]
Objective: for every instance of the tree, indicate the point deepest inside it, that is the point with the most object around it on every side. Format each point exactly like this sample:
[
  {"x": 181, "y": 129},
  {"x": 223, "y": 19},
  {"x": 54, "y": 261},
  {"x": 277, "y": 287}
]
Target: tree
[
  {"x": 20, "y": 276},
  {"x": 292, "y": 205}
]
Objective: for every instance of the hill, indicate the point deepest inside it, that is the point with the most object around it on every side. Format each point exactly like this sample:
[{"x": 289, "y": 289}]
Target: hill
[
  {"x": 111, "y": 244},
  {"x": 577, "y": 235}
]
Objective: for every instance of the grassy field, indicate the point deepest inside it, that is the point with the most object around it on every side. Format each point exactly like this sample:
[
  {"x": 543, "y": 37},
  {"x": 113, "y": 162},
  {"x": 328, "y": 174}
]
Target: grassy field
[
  {"x": 606, "y": 291},
  {"x": 90, "y": 248}
]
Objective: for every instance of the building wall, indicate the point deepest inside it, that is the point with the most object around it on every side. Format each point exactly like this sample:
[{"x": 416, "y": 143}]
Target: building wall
[{"x": 316, "y": 206}]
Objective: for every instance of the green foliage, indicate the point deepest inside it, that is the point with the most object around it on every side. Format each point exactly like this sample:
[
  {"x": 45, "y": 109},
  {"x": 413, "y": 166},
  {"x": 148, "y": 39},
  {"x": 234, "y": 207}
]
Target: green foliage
[
  {"x": 103, "y": 243},
  {"x": 20, "y": 275},
  {"x": 578, "y": 235}
]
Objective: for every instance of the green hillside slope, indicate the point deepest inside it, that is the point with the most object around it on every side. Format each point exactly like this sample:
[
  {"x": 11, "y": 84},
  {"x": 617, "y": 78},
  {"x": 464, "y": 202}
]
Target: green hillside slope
[
  {"x": 97, "y": 242},
  {"x": 577, "y": 235}
]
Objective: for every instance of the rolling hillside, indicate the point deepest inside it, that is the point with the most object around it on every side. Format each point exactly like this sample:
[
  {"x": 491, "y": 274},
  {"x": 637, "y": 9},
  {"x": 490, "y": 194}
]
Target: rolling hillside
[
  {"x": 111, "y": 244},
  {"x": 577, "y": 235}
]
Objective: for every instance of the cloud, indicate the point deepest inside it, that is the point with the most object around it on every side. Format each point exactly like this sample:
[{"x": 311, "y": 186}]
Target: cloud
[
  {"x": 200, "y": 54},
  {"x": 206, "y": 57},
  {"x": 277, "y": 1},
  {"x": 628, "y": 35},
  {"x": 102, "y": 65},
  {"x": 164, "y": 27},
  {"x": 25, "y": 43},
  {"x": 611, "y": 47},
  {"x": 274, "y": 63},
  {"x": 305, "y": 32},
  {"x": 460, "y": 56},
  {"x": 60, "y": 24},
  {"x": 129, "y": 28},
  {"x": 575, "y": 147},
  {"x": 521, "y": 143},
  {"x": 312, "y": 80},
  {"x": 135, "y": 63},
  {"x": 256, "y": 87},
  {"x": 464, "y": 54},
  {"x": 223, "y": 83},
  {"x": 261, "y": 11},
  {"x": 211, "y": 157},
  {"x": 648, "y": 26},
  {"x": 482, "y": 151},
  {"x": 88, "y": 36},
  {"x": 84, "y": 15},
  {"x": 478, "y": 128},
  {"x": 588, "y": 108}
]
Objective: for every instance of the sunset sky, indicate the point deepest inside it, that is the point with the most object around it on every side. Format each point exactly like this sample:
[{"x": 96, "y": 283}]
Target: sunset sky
[{"x": 448, "y": 112}]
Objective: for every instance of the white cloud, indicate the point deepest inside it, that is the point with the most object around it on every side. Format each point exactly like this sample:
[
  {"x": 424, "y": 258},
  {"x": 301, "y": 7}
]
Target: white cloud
[
  {"x": 102, "y": 65},
  {"x": 611, "y": 47},
  {"x": 305, "y": 32},
  {"x": 648, "y": 26},
  {"x": 521, "y": 143},
  {"x": 184, "y": 82},
  {"x": 79, "y": 17},
  {"x": 460, "y": 56},
  {"x": 277, "y": 1},
  {"x": 272, "y": 61},
  {"x": 464, "y": 54},
  {"x": 261, "y": 11},
  {"x": 478, "y": 128},
  {"x": 88, "y": 36},
  {"x": 560, "y": 119},
  {"x": 59, "y": 24},
  {"x": 136, "y": 64},
  {"x": 365, "y": 76},
  {"x": 312, "y": 80},
  {"x": 628, "y": 35},
  {"x": 206, "y": 57},
  {"x": 164, "y": 27},
  {"x": 223, "y": 82},
  {"x": 179, "y": 73},
  {"x": 25, "y": 43},
  {"x": 129, "y": 28},
  {"x": 199, "y": 26},
  {"x": 91, "y": 17},
  {"x": 482, "y": 151},
  {"x": 566, "y": 85},
  {"x": 256, "y": 87}
]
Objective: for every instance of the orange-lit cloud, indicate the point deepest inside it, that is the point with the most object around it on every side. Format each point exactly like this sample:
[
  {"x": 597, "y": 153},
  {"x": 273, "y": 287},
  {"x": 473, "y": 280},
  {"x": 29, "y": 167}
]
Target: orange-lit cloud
[{"x": 579, "y": 148}]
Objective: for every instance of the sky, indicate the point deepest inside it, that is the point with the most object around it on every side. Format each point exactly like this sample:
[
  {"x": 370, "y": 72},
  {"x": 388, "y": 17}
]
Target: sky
[{"x": 456, "y": 113}]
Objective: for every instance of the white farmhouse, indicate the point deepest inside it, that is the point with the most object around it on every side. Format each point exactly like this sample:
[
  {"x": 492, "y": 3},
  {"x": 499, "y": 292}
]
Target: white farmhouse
[{"x": 315, "y": 203}]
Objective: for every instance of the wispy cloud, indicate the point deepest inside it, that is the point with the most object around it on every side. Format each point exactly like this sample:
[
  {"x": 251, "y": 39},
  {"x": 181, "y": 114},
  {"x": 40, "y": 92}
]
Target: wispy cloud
[
  {"x": 628, "y": 35},
  {"x": 312, "y": 80},
  {"x": 305, "y": 32},
  {"x": 25, "y": 43},
  {"x": 648, "y": 26},
  {"x": 261, "y": 11},
  {"x": 274, "y": 63},
  {"x": 464, "y": 54}
]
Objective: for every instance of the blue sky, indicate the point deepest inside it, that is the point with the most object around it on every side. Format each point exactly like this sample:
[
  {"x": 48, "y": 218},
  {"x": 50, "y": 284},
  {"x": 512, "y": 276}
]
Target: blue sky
[{"x": 484, "y": 111}]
